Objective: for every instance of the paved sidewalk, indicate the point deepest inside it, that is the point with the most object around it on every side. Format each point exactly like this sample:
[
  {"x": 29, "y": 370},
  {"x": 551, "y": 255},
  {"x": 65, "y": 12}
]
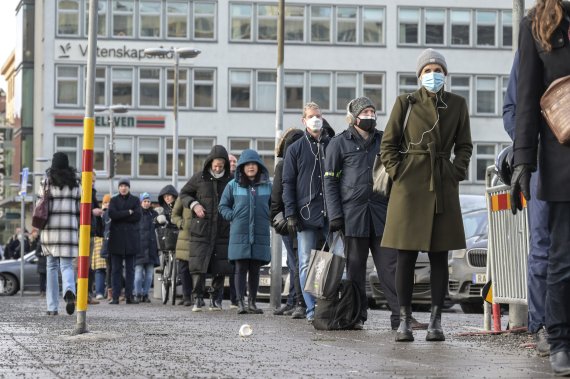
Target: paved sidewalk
[{"x": 154, "y": 340}]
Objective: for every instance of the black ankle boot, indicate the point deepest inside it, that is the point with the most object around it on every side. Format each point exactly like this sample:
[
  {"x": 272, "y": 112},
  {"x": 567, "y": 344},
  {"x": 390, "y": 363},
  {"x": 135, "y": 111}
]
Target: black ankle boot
[
  {"x": 252, "y": 307},
  {"x": 242, "y": 310},
  {"x": 434, "y": 331},
  {"x": 404, "y": 333}
]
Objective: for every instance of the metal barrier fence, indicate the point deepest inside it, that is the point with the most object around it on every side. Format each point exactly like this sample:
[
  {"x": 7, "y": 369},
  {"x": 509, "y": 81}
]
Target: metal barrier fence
[{"x": 508, "y": 243}]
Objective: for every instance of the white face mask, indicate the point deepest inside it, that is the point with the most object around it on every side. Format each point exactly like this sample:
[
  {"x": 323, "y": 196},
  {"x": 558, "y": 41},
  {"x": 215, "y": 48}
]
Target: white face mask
[{"x": 314, "y": 123}]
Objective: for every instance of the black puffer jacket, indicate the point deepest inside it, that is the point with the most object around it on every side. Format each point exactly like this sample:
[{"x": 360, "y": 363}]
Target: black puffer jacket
[
  {"x": 148, "y": 252},
  {"x": 209, "y": 236}
]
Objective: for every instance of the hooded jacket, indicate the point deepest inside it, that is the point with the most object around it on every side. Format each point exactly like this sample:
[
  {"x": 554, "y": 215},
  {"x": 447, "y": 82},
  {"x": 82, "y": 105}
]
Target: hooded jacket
[
  {"x": 167, "y": 190},
  {"x": 246, "y": 206},
  {"x": 208, "y": 235}
]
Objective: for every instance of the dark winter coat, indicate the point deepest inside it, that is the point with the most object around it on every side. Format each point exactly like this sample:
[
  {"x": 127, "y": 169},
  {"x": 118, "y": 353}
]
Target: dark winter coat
[
  {"x": 246, "y": 206},
  {"x": 537, "y": 70},
  {"x": 348, "y": 184},
  {"x": 148, "y": 251},
  {"x": 424, "y": 212},
  {"x": 510, "y": 103},
  {"x": 106, "y": 233},
  {"x": 303, "y": 171},
  {"x": 124, "y": 237},
  {"x": 209, "y": 235},
  {"x": 181, "y": 217}
]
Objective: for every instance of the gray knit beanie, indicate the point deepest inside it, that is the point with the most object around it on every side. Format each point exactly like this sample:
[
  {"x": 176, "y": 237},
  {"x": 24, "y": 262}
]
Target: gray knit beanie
[
  {"x": 358, "y": 105},
  {"x": 430, "y": 56},
  {"x": 125, "y": 181}
]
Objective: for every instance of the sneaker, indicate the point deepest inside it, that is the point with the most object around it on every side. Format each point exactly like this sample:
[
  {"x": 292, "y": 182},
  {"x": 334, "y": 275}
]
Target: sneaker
[
  {"x": 99, "y": 297},
  {"x": 299, "y": 313},
  {"x": 197, "y": 306},
  {"x": 234, "y": 306},
  {"x": 69, "y": 298},
  {"x": 281, "y": 311},
  {"x": 132, "y": 300},
  {"x": 215, "y": 306},
  {"x": 358, "y": 326},
  {"x": 542, "y": 345},
  {"x": 290, "y": 311},
  {"x": 310, "y": 319},
  {"x": 146, "y": 299}
]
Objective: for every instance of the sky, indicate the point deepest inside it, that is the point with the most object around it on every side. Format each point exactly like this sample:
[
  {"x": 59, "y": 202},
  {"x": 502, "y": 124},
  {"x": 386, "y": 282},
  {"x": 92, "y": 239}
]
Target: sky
[{"x": 7, "y": 25}]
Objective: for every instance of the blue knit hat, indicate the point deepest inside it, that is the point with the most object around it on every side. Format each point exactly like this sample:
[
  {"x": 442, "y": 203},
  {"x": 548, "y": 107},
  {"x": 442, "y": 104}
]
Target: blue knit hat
[{"x": 144, "y": 196}]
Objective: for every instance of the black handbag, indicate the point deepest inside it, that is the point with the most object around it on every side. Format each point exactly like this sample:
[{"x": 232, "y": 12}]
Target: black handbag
[
  {"x": 41, "y": 211},
  {"x": 325, "y": 272},
  {"x": 382, "y": 183}
]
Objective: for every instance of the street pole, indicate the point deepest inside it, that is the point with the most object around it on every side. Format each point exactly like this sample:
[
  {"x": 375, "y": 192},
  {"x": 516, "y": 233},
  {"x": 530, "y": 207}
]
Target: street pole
[
  {"x": 276, "y": 251},
  {"x": 175, "y": 131},
  {"x": 111, "y": 149},
  {"x": 86, "y": 175},
  {"x": 518, "y": 313},
  {"x": 23, "y": 193}
]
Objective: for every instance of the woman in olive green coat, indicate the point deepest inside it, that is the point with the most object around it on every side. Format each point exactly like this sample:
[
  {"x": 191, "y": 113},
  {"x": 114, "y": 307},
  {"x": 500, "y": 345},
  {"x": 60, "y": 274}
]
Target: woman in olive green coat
[
  {"x": 180, "y": 217},
  {"x": 424, "y": 212}
]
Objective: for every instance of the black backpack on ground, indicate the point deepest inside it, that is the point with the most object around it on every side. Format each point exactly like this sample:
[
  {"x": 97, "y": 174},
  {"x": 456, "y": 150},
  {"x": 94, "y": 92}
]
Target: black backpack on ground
[{"x": 340, "y": 312}]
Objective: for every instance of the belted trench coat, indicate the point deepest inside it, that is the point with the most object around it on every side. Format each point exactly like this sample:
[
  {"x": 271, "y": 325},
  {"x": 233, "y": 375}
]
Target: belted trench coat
[{"x": 424, "y": 213}]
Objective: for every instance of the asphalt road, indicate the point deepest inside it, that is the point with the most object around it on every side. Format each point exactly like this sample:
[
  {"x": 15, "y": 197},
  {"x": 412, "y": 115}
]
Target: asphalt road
[{"x": 154, "y": 340}]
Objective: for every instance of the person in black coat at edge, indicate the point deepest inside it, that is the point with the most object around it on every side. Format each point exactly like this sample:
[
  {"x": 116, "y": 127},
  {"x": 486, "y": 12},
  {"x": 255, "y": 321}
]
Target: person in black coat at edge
[
  {"x": 209, "y": 232},
  {"x": 279, "y": 223},
  {"x": 544, "y": 50},
  {"x": 42, "y": 261},
  {"x": 124, "y": 241}
]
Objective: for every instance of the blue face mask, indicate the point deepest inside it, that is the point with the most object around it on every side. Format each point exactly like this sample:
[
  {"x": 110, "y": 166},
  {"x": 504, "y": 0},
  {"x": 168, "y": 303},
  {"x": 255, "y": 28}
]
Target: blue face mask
[{"x": 433, "y": 81}]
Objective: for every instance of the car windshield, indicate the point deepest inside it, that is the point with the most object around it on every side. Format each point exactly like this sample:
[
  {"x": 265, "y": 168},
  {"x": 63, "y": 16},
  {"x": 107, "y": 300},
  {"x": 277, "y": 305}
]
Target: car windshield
[{"x": 475, "y": 223}]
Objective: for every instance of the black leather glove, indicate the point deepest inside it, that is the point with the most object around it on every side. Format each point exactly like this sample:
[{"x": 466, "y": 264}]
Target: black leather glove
[
  {"x": 292, "y": 224},
  {"x": 279, "y": 223},
  {"x": 336, "y": 225},
  {"x": 520, "y": 182}
]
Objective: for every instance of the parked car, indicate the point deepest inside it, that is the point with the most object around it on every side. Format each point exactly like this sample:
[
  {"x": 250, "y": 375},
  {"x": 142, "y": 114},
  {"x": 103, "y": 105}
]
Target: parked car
[
  {"x": 10, "y": 275},
  {"x": 467, "y": 267},
  {"x": 421, "y": 297}
]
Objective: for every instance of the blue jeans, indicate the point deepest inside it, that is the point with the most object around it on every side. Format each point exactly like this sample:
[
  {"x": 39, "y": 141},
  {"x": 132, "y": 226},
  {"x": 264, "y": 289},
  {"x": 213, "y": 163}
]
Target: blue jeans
[
  {"x": 538, "y": 212},
  {"x": 100, "y": 275},
  {"x": 67, "y": 277},
  {"x": 306, "y": 241},
  {"x": 143, "y": 278}
]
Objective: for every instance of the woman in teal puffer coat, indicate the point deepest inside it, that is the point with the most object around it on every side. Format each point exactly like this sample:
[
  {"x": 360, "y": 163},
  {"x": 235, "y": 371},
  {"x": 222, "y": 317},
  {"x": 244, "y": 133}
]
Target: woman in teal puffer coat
[{"x": 245, "y": 203}]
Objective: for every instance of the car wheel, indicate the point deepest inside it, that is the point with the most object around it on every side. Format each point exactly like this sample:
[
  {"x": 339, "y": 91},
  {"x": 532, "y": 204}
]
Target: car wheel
[
  {"x": 11, "y": 285},
  {"x": 471, "y": 308}
]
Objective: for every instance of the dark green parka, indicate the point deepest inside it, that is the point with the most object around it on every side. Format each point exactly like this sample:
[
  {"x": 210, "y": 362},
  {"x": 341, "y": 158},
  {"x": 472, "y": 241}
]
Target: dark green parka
[{"x": 424, "y": 212}]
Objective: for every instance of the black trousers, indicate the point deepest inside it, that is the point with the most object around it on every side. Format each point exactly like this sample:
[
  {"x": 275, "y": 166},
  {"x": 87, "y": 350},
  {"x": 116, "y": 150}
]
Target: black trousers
[
  {"x": 199, "y": 285},
  {"x": 117, "y": 276},
  {"x": 356, "y": 250},
  {"x": 247, "y": 269},
  {"x": 558, "y": 278},
  {"x": 439, "y": 276},
  {"x": 185, "y": 278}
]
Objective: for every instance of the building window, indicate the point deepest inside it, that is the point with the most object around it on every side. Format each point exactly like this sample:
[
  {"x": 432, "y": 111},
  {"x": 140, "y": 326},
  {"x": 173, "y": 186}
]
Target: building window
[
  {"x": 407, "y": 83},
  {"x": 434, "y": 27},
  {"x": 266, "y": 150},
  {"x": 68, "y": 17},
  {"x": 485, "y": 158},
  {"x": 267, "y": 22},
  {"x": 182, "y": 153},
  {"x": 149, "y": 87},
  {"x": 321, "y": 90},
  {"x": 241, "y": 20},
  {"x": 182, "y": 88},
  {"x": 321, "y": 23},
  {"x": 486, "y": 21},
  {"x": 373, "y": 26},
  {"x": 346, "y": 19},
  {"x": 460, "y": 85},
  {"x": 204, "y": 89},
  {"x": 122, "y": 86},
  {"x": 101, "y": 18},
  {"x": 99, "y": 157},
  {"x": 507, "y": 24},
  {"x": 204, "y": 20},
  {"x": 70, "y": 146},
  {"x": 460, "y": 27},
  {"x": 201, "y": 148},
  {"x": 265, "y": 93},
  {"x": 123, "y": 18},
  {"x": 295, "y": 25},
  {"x": 148, "y": 162},
  {"x": 177, "y": 19},
  {"x": 409, "y": 20},
  {"x": 150, "y": 14},
  {"x": 372, "y": 85},
  {"x": 67, "y": 88},
  {"x": 123, "y": 156},
  {"x": 486, "y": 95},
  {"x": 294, "y": 94},
  {"x": 100, "y": 85},
  {"x": 345, "y": 90},
  {"x": 240, "y": 89}
]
